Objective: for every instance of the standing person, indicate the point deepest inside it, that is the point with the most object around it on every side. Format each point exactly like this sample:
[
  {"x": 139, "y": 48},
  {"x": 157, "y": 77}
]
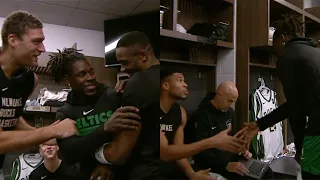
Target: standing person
[
  {"x": 135, "y": 54},
  {"x": 93, "y": 106},
  {"x": 298, "y": 68},
  {"x": 22, "y": 43}
]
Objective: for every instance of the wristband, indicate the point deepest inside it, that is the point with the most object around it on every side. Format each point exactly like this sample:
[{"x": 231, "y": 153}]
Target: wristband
[{"x": 100, "y": 156}]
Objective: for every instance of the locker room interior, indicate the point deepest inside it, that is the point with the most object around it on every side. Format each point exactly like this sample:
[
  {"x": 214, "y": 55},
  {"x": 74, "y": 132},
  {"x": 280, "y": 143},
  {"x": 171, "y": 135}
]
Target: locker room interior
[{"x": 243, "y": 56}]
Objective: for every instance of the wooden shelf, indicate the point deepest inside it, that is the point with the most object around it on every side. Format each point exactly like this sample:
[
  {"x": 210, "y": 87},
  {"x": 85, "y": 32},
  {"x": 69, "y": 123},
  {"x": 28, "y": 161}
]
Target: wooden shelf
[
  {"x": 40, "y": 109},
  {"x": 193, "y": 38},
  {"x": 315, "y": 11},
  {"x": 290, "y": 6},
  {"x": 305, "y": 12},
  {"x": 229, "y": 1},
  {"x": 262, "y": 65},
  {"x": 187, "y": 62},
  {"x": 224, "y": 44}
]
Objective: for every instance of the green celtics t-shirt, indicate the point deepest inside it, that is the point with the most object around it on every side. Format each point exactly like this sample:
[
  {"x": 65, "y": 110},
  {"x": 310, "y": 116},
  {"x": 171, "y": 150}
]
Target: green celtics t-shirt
[
  {"x": 91, "y": 113},
  {"x": 88, "y": 123}
]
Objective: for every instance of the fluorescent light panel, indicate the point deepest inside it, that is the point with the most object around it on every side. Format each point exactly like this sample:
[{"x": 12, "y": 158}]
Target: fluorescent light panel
[{"x": 111, "y": 46}]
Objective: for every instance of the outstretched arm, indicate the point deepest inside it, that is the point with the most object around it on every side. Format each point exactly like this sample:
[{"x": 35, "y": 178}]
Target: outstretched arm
[
  {"x": 19, "y": 140},
  {"x": 177, "y": 151}
]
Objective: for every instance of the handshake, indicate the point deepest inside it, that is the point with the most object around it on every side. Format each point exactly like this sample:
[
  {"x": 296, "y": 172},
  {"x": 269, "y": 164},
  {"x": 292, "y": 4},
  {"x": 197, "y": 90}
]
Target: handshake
[{"x": 239, "y": 143}]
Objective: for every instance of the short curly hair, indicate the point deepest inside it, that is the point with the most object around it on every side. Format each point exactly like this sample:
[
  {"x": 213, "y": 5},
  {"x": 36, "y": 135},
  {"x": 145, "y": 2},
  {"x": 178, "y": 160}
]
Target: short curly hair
[{"x": 18, "y": 23}]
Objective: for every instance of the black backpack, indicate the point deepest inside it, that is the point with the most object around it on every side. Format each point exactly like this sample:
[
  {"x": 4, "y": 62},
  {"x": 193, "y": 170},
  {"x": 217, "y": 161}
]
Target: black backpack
[{"x": 212, "y": 31}]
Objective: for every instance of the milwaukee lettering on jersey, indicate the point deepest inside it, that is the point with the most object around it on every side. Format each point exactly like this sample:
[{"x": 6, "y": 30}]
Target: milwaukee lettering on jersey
[
  {"x": 11, "y": 102},
  {"x": 8, "y": 122},
  {"x": 166, "y": 127},
  {"x": 6, "y": 114}
]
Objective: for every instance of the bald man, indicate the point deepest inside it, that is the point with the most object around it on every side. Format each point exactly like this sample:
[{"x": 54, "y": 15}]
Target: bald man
[
  {"x": 173, "y": 119},
  {"x": 214, "y": 115}
]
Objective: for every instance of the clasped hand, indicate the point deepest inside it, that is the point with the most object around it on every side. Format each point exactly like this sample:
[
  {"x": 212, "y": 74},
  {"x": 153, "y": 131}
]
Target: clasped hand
[{"x": 235, "y": 144}]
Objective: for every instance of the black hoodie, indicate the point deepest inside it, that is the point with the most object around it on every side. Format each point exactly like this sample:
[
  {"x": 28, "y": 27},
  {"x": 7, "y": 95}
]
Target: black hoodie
[
  {"x": 90, "y": 113},
  {"x": 210, "y": 121},
  {"x": 299, "y": 72}
]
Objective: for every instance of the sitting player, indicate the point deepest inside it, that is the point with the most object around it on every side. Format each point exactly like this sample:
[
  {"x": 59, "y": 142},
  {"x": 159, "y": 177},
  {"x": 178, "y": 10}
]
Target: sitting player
[
  {"x": 53, "y": 167},
  {"x": 173, "y": 119}
]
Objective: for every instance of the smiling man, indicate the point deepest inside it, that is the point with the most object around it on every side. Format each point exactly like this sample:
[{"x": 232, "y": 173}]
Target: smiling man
[
  {"x": 94, "y": 107},
  {"x": 53, "y": 167},
  {"x": 22, "y": 43}
]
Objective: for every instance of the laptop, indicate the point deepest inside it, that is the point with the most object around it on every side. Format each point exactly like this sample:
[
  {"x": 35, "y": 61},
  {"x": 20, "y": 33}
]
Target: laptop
[{"x": 257, "y": 168}]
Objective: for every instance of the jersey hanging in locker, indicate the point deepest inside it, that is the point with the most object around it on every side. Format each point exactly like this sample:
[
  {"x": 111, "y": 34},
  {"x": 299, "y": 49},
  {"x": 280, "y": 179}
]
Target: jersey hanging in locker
[{"x": 263, "y": 102}]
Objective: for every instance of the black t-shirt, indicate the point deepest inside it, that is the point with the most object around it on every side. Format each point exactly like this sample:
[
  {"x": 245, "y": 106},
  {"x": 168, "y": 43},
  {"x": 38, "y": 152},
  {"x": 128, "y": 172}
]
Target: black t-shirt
[
  {"x": 13, "y": 94},
  {"x": 64, "y": 172},
  {"x": 169, "y": 122},
  {"x": 143, "y": 91}
]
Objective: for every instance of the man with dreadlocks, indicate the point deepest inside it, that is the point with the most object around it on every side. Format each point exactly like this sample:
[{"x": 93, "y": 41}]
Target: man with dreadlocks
[
  {"x": 94, "y": 107},
  {"x": 298, "y": 68}
]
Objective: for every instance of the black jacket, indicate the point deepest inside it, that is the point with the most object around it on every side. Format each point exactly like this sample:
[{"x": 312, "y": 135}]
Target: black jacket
[
  {"x": 299, "y": 72},
  {"x": 90, "y": 113},
  {"x": 209, "y": 122}
]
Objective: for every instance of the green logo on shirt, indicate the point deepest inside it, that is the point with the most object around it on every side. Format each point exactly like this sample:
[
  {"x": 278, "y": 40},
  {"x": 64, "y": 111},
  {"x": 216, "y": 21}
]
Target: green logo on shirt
[{"x": 87, "y": 124}]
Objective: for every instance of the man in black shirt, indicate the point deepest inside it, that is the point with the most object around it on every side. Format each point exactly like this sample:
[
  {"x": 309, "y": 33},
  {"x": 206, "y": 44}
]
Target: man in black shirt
[
  {"x": 53, "y": 168},
  {"x": 298, "y": 68},
  {"x": 136, "y": 56},
  {"x": 215, "y": 114}
]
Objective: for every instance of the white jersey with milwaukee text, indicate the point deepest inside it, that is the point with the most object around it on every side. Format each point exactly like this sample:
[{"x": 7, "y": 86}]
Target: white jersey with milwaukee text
[
  {"x": 264, "y": 102},
  {"x": 24, "y": 165}
]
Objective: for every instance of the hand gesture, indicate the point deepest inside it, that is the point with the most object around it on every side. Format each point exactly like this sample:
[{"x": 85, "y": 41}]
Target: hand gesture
[
  {"x": 225, "y": 142},
  {"x": 65, "y": 128},
  {"x": 246, "y": 154},
  {"x": 201, "y": 175},
  {"x": 102, "y": 172},
  {"x": 124, "y": 118},
  {"x": 237, "y": 167},
  {"x": 251, "y": 130},
  {"x": 120, "y": 86}
]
